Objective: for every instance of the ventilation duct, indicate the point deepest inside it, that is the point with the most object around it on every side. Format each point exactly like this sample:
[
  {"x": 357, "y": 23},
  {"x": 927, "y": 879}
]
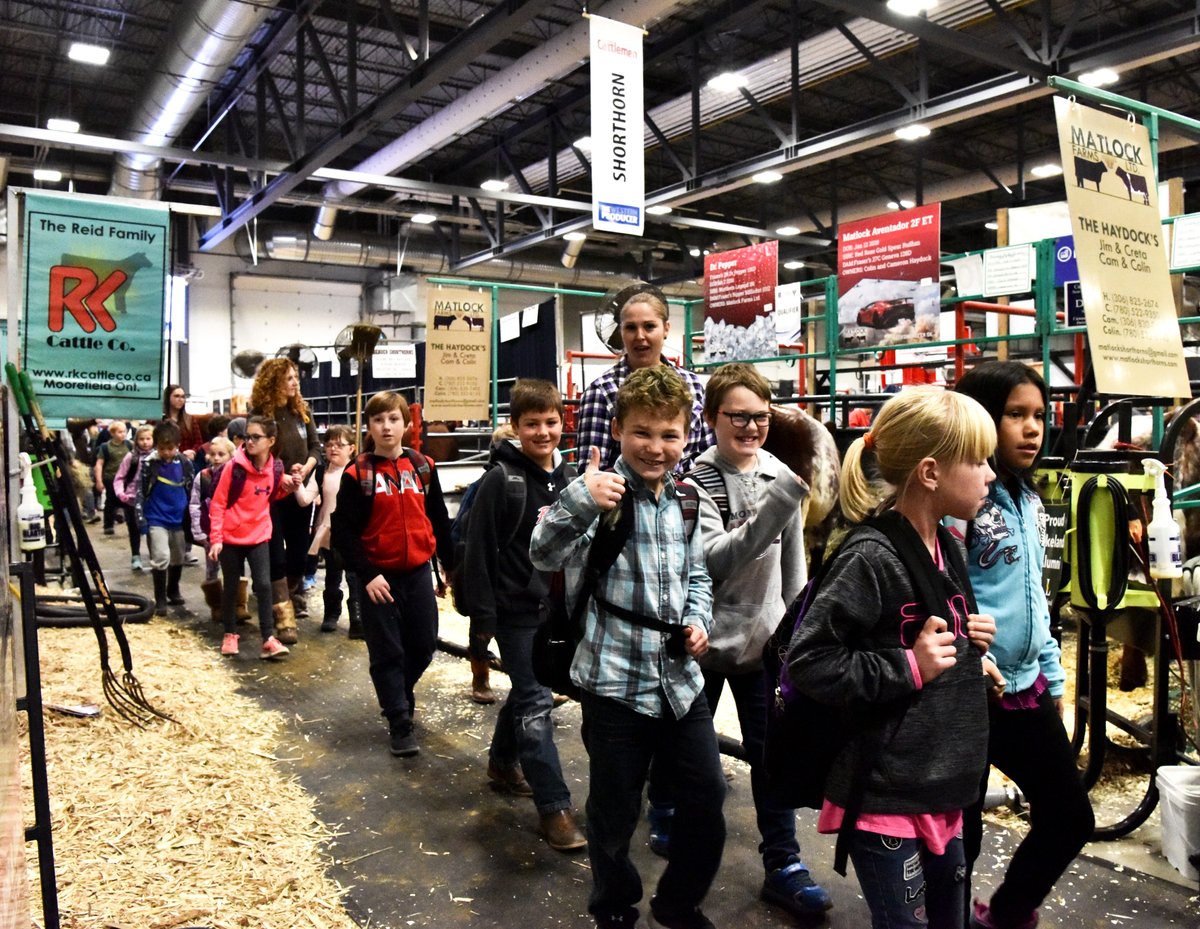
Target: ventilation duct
[
  {"x": 422, "y": 258},
  {"x": 206, "y": 40}
]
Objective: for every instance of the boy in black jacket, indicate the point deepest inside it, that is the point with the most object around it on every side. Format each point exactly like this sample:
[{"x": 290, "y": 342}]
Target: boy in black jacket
[
  {"x": 389, "y": 522},
  {"x": 504, "y": 596}
]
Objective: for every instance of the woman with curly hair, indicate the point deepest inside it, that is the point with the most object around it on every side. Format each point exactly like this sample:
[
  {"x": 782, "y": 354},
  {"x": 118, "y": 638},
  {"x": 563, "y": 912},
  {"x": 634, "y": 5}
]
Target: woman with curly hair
[{"x": 276, "y": 395}]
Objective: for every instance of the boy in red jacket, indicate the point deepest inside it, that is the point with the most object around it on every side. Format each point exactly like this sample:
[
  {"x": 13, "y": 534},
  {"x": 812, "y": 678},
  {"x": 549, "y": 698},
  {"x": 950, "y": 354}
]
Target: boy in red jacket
[{"x": 389, "y": 521}]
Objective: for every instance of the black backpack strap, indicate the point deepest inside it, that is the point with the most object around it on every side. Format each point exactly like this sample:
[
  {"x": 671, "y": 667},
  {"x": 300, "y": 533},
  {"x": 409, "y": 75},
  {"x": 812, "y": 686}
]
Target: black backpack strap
[
  {"x": 420, "y": 464},
  {"x": 514, "y": 498},
  {"x": 689, "y": 503},
  {"x": 713, "y": 482}
]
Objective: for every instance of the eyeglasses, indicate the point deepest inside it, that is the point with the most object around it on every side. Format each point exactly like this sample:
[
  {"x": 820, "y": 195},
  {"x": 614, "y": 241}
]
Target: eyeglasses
[
  {"x": 337, "y": 444},
  {"x": 254, "y": 436},
  {"x": 742, "y": 420}
]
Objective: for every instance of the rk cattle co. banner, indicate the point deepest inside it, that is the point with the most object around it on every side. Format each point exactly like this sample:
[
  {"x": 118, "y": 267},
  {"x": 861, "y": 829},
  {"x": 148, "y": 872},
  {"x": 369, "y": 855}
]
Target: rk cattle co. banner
[
  {"x": 618, "y": 177},
  {"x": 1127, "y": 299},
  {"x": 95, "y": 286},
  {"x": 458, "y": 355}
]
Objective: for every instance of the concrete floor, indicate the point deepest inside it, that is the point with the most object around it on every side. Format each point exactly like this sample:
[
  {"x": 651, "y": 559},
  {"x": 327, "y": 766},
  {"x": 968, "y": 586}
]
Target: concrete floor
[{"x": 425, "y": 842}]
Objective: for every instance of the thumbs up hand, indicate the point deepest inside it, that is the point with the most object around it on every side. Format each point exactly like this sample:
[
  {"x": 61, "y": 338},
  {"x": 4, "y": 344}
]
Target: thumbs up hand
[{"x": 606, "y": 487}]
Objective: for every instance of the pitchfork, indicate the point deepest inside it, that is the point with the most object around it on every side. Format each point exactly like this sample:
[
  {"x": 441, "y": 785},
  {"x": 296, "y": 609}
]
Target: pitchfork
[{"x": 124, "y": 694}]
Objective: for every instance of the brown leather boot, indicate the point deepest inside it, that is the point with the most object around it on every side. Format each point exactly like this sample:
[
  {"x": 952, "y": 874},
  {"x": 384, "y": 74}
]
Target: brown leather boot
[
  {"x": 212, "y": 597},
  {"x": 243, "y": 601},
  {"x": 511, "y": 780},
  {"x": 285, "y": 615},
  {"x": 481, "y": 688},
  {"x": 299, "y": 600},
  {"x": 560, "y": 831}
]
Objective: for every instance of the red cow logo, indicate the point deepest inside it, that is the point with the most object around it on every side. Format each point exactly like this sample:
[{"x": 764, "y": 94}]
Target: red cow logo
[{"x": 77, "y": 288}]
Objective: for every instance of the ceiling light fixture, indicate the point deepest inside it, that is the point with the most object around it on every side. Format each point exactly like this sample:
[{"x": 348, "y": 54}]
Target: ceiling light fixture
[
  {"x": 766, "y": 177},
  {"x": 1046, "y": 170},
  {"x": 991, "y": 225},
  {"x": 793, "y": 265},
  {"x": 47, "y": 174},
  {"x": 694, "y": 252},
  {"x": 62, "y": 125},
  {"x": 1100, "y": 77},
  {"x": 660, "y": 209},
  {"x": 910, "y": 7},
  {"x": 584, "y": 143},
  {"x": 902, "y": 205},
  {"x": 788, "y": 230},
  {"x": 424, "y": 219},
  {"x": 912, "y": 132},
  {"x": 727, "y": 82},
  {"x": 88, "y": 54},
  {"x": 495, "y": 185}
]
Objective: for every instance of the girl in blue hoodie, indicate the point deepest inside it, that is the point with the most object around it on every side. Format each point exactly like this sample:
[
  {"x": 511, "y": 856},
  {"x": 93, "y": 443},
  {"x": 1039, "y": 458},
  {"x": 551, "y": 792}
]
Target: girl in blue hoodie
[{"x": 1026, "y": 740}]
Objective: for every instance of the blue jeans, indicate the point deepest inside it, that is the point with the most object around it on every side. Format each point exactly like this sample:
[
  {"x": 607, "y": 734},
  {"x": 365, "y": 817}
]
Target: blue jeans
[
  {"x": 401, "y": 638},
  {"x": 905, "y": 885},
  {"x": 776, "y": 826},
  {"x": 620, "y": 744},
  {"x": 524, "y": 731}
]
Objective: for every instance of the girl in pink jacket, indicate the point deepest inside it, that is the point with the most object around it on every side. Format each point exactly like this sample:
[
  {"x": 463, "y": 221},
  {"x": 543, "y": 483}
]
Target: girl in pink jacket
[{"x": 240, "y": 530}]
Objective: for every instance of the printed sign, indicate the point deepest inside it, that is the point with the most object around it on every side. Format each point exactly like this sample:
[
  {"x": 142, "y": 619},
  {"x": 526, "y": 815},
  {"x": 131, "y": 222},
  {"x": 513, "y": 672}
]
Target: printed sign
[
  {"x": 618, "y": 127},
  {"x": 1007, "y": 271},
  {"x": 1065, "y": 268},
  {"x": 1053, "y": 521},
  {"x": 1185, "y": 244},
  {"x": 394, "y": 361},
  {"x": 1113, "y": 196},
  {"x": 888, "y": 268},
  {"x": 458, "y": 355},
  {"x": 95, "y": 286},
  {"x": 739, "y": 303}
]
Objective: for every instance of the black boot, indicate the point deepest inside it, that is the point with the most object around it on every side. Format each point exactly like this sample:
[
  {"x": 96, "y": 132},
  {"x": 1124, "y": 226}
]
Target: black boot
[
  {"x": 354, "y": 608},
  {"x": 333, "y": 610},
  {"x": 174, "y": 597},
  {"x": 160, "y": 591}
]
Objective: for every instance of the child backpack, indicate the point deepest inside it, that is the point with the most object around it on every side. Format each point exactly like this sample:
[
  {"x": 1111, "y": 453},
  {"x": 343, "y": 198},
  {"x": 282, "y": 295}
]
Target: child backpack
[
  {"x": 364, "y": 468},
  {"x": 237, "y": 481},
  {"x": 713, "y": 482},
  {"x": 558, "y": 637},
  {"x": 805, "y": 736}
]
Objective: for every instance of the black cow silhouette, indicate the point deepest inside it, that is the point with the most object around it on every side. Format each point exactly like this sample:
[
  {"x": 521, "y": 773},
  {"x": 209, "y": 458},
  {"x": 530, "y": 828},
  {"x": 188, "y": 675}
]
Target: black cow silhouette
[
  {"x": 474, "y": 323},
  {"x": 1086, "y": 170},
  {"x": 130, "y": 265},
  {"x": 1134, "y": 182}
]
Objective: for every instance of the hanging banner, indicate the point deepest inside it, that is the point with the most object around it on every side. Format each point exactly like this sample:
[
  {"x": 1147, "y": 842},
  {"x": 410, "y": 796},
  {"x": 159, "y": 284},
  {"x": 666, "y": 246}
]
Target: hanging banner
[
  {"x": 739, "y": 303},
  {"x": 888, "y": 268},
  {"x": 95, "y": 289},
  {"x": 1113, "y": 198},
  {"x": 618, "y": 127},
  {"x": 458, "y": 355}
]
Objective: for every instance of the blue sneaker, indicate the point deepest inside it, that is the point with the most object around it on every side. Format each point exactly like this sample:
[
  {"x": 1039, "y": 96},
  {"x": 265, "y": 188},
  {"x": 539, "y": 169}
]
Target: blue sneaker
[
  {"x": 660, "y": 818},
  {"x": 793, "y": 888},
  {"x": 310, "y": 581}
]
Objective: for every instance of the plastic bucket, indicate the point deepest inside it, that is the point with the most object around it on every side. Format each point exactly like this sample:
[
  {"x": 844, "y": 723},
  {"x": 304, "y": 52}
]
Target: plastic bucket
[{"x": 1179, "y": 788}]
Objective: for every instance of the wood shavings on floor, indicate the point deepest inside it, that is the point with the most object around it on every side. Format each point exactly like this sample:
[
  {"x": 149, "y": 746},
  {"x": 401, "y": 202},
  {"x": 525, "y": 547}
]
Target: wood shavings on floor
[{"x": 177, "y": 824}]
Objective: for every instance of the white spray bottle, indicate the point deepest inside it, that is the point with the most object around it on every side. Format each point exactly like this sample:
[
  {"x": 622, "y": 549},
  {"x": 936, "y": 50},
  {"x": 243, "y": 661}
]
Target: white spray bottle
[
  {"x": 31, "y": 520},
  {"x": 1162, "y": 535}
]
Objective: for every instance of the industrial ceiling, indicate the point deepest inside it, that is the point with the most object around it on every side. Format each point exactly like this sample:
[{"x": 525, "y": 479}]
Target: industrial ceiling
[{"x": 338, "y": 120}]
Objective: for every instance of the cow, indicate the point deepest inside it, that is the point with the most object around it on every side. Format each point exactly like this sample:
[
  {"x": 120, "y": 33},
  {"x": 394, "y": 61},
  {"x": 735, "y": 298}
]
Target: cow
[
  {"x": 1134, "y": 182},
  {"x": 129, "y": 266},
  {"x": 1086, "y": 170}
]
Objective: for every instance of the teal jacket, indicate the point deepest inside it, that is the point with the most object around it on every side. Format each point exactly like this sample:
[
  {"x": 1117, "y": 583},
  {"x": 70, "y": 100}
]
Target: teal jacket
[{"x": 1004, "y": 556}]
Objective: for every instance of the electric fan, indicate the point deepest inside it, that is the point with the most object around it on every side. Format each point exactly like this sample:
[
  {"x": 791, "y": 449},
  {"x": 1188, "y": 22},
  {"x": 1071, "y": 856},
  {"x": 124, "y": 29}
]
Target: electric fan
[{"x": 303, "y": 357}]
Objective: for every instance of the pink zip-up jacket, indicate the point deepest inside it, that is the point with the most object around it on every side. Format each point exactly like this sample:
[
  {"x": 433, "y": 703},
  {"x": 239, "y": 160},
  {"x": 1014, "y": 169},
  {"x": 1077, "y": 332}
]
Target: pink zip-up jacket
[{"x": 248, "y": 521}]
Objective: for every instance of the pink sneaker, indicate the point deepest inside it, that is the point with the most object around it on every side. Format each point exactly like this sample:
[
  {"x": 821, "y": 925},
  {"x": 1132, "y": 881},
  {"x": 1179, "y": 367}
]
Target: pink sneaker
[
  {"x": 229, "y": 644},
  {"x": 273, "y": 648},
  {"x": 981, "y": 918}
]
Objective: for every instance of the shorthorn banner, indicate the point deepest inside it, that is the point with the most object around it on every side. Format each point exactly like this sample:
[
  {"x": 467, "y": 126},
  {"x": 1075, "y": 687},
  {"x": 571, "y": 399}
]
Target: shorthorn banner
[
  {"x": 618, "y": 127},
  {"x": 92, "y": 323},
  {"x": 1113, "y": 198}
]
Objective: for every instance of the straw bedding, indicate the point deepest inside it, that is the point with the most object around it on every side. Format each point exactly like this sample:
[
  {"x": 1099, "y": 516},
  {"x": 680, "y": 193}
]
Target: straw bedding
[{"x": 176, "y": 824}]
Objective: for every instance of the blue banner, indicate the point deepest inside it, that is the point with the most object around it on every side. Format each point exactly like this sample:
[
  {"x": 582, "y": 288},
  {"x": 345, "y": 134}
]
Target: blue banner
[{"x": 95, "y": 292}]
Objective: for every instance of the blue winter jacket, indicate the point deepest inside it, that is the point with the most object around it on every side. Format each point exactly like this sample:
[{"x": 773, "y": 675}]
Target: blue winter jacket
[{"x": 1005, "y": 555}]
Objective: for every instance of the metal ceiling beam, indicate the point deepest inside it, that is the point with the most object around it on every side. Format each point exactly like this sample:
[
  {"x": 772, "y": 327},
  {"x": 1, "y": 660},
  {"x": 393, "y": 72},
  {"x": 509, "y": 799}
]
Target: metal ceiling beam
[
  {"x": 496, "y": 25},
  {"x": 939, "y": 35}
]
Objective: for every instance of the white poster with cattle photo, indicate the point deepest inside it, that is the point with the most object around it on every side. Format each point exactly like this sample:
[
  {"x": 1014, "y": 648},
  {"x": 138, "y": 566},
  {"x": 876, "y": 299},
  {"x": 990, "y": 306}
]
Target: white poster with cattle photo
[
  {"x": 1112, "y": 193},
  {"x": 458, "y": 354}
]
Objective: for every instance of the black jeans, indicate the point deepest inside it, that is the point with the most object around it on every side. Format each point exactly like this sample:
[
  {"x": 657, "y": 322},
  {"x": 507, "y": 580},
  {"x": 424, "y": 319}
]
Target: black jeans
[
  {"x": 232, "y": 560},
  {"x": 401, "y": 638},
  {"x": 289, "y": 538},
  {"x": 1032, "y": 748},
  {"x": 620, "y": 744}
]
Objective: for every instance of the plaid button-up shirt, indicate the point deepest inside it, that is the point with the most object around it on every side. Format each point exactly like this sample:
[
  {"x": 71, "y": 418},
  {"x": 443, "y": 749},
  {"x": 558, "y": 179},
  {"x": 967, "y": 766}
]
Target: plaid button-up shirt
[
  {"x": 660, "y": 573},
  {"x": 598, "y": 402}
]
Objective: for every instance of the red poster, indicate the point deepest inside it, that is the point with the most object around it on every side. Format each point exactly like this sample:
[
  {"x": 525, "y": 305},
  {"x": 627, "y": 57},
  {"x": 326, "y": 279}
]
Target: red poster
[
  {"x": 888, "y": 277},
  {"x": 739, "y": 298}
]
